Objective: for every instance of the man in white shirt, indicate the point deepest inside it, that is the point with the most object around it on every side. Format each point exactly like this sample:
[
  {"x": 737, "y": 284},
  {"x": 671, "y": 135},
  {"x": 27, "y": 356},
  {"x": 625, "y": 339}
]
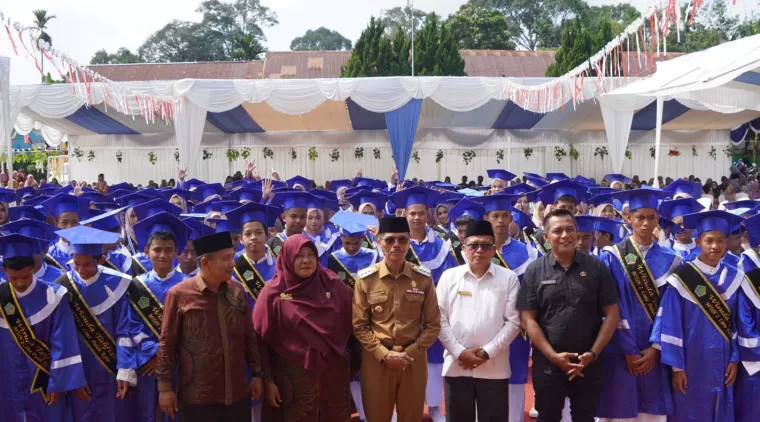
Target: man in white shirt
[{"x": 479, "y": 320}]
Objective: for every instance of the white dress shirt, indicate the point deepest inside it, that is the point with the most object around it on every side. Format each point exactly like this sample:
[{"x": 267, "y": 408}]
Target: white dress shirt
[{"x": 478, "y": 313}]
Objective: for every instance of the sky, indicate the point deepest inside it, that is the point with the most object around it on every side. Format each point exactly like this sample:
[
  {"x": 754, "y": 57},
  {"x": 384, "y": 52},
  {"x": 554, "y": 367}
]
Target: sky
[{"x": 85, "y": 26}]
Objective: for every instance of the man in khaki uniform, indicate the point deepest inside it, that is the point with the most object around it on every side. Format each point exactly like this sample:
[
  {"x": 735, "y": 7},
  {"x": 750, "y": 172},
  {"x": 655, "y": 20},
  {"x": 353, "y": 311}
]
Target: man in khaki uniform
[{"x": 396, "y": 318}]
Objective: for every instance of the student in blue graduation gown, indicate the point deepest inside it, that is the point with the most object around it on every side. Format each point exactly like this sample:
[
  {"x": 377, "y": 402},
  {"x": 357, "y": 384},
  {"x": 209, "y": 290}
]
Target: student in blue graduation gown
[
  {"x": 747, "y": 388},
  {"x": 294, "y": 205},
  {"x": 460, "y": 215},
  {"x": 429, "y": 251},
  {"x": 66, "y": 211},
  {"x": 159, "y": 237},
  {"x": 188, "y": 262},
  {"x": 751, "y": 258},
  {"x": 97, "y": 296},
  {"x": 607, "y": 232},
  {"x": 585, "y": 242},
  {"x": 694, "y": 325},
  {"x": 675, "y": 210},
  {"x": 45, "y": 233},
  {"x": 637, "y": 386},
  {"x": 368, "y": 203},
  {"x": 516, "y": 256},
  {"x": 109, "y": 221},
  {"x": 36, "y": 308}
]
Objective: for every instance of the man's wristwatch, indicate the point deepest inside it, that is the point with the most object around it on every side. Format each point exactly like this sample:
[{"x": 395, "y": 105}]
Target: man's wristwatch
[{"x": 593, "y": 354}]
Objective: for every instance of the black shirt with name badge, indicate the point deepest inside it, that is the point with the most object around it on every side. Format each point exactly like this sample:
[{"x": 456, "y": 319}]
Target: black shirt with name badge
[{"x": 568, "y": 303}]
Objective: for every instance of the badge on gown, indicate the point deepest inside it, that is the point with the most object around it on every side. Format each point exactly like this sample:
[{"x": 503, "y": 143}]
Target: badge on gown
[{"x": 248, "y": 275}]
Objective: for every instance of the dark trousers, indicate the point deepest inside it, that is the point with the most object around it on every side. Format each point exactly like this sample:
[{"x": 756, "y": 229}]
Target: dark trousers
[
  {"x": 463, "y": 394},
  {"x": 552, "y": 386},
  {"x": 236, "y": 412}
]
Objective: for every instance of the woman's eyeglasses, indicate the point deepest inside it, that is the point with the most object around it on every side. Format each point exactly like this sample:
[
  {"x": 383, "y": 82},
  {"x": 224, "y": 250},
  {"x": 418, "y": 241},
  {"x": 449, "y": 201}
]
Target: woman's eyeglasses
[{"x": 481, "y": 246}]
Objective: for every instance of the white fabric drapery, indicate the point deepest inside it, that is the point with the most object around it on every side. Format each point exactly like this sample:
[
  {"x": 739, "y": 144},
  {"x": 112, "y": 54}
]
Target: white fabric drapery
[
  {"x": 6, "y": 124},
  {"x": 188, "y": 131},
  {"x": 618, "y": 119}
]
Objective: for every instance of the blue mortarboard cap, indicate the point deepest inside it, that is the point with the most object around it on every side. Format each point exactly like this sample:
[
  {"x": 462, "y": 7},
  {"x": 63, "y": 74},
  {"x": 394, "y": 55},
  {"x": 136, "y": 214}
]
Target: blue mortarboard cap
[
  {"x": 302, "y": 181},
  {"x": 205, "y": 192},
  {"x": 499, "y": 202},
  {"x": 369, "y": 183},
  {"x": 224, "y": 206},
  {"x": 193, "y": 184},
  {"x": 715, "y": 220},
  {"x": 247, "y": 193},
  {"x": 106, "y": 205},
  {"x": 615, "y": 228},
  {"x": 49, "y": 185},
  {"x": 295, "y": 199},
  {"x": 519, "y": 189},
  {"x": 681, "y": 187},
  {"x": 602, "y": 191},
  {"x": 24, "y": 193},
  {"x": 222, "y": 225},
  {"x": 64, "y": 202},
  {"x": 640, "y": 198},
  {"x": 32, "y": 228},
  {"x": 430, "y": 184},
  {"x": 121, "y": 186},
  {"x": 88, "y": 241},
  {"x": 415, "y": 195},
  {"x": 471, "y": 192},
  {"x": 182, "y": 193},
  {"x": 524, "y": 221},
  {"x": 556, "y": 177},
  {"x": 37, "y": 200},
  {"x": 500, "y": 174},
  {"x": 340, "y": 183},
  {"x": 679, "y": 207},
  {"x": 276, "y": 184},
  {"x": 329, "y": 199},
  {"x": 408, "y": 184},
  {"x": 161, "y": 222},
  {"x": 367, "y": 197},
  {"x": 204, "y": 207},
  {"x": 114, "y": 195},
  {"x": 747, "y": 204},
  {"x": 253, "y": 211},
  {"x": 466, "y": 207},
  {"x": 550, "y": 193},
  {"x": 7, "y": 195},
  {"x": 154, "y": 207},
  {"x": 353, "y": 224},
  {"x": 598, "y": 200},
  {"x": 25, "y": 211},
  {"x": 196, "y": 228},
  {"x": 354, "y": 190},
  {"x": 94, "y": 196},
  {"x": 234, "y": 185},
  {"x": 67, "y": 189},
  {"x": 15, "y": 245},
  {"x": 667, "y": 223},
  {"x": 615, "y": 177},
  {"x": 104, "y": 220},
  {"x": 753, "y": 230},
  {"x": 585, "y": 181},
  {"x": 538, "y": 182},
  {"x": 586, "y": 223},
  {"x": 133, "y": 199},
  {"x": 449, "y": 198},
  {"x": 446, "y": 186}
]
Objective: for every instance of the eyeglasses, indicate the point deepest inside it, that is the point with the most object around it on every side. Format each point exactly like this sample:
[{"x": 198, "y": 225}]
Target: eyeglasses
[
  {"x": 401, "y": 240},
  {"x": 482, "y": 246}
]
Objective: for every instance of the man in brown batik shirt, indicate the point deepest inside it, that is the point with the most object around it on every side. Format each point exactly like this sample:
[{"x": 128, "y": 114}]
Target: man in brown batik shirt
[{"x": 207, "y": 327}]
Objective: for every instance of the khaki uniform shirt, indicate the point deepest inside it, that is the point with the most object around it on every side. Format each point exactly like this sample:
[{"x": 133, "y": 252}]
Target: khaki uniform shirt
[{"x": 400, "y": 311}]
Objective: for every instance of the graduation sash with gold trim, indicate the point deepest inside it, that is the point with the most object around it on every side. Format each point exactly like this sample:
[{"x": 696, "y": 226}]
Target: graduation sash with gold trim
[
  {"x": 367, "y": 242},
  {"x": 499, "y": 260},
  {"x": 712, "y": 304},
  {"x": 639, "y": 276},
  {"x": 276, "y": 245},
  {"x": 543, "y": 247},
  {"x": 137, "y": 267},
  {"x": 334, "y": 265},
  {"x": 456, "y": 247},
  {"x": 92, "y": 332},
  {"x": 411, "y": 256},
  {"x": 52, "y": 261},
  {"x": 34, "y": 349},
  {"x": 249, "y": 276},
  {"x": 754, "y": 280},
  {"x": 146, "y": 304},
  {"x": 112, "y": 265}
]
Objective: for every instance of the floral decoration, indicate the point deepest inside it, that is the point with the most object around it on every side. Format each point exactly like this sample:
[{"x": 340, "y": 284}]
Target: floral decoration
[
  {"x": 601, "y": 152},
  {"x": 152, "y": 158},
  {"x": 118, "y": 156},
  {"x": 438, "y": 156},
  {"x": 313, "y": 154},
  {"x": 499, "y": 156},
  {"x": 359, "y": 153},
  {"x": 559, "y": 153},
  {"x": 334, "y": 155},
  {"x": 467, "y": 156},
  {"x": 527, "y": 152},
  {"x": 268, "y": 153},
  {"x": 376, "y": 153},
  {"x": 207, "y": 155},
  {"x": 416, "y": 156}
]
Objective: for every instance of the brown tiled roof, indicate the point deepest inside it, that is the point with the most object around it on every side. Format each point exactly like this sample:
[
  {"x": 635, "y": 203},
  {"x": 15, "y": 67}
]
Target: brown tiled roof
[
  {"x": 328, "y": 64},
  {"x": 175, "y": 71}
]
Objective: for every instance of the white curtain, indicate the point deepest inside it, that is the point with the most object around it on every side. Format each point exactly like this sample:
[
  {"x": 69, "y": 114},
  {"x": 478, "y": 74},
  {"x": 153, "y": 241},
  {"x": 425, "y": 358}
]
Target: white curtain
[
  {"x": 6, "y": 124},
  {"x": 188, "y": 130},
  {"x": 618, "y": 118}
]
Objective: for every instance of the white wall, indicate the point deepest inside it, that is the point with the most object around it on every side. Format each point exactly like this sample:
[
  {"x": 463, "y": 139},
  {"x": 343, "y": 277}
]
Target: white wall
[{"x": 136, "y": 168}]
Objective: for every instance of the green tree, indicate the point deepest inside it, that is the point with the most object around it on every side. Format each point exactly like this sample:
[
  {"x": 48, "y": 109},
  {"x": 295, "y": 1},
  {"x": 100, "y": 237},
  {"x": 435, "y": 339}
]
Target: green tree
[
  {"x": 578, "y": 45},
  {"x": 371, "y": 55},
  {"x": 480, "y": 28},
  {"x": 321, "y": 39},
  {"x": 123, "y": 55},
  {"x": 712, "y": 26},
  {"x": 619, "y": 16},
  {"x": 435, "y": 50},
  {"x": 399, "y": 18},
  {"x": 41, "y": 20}
]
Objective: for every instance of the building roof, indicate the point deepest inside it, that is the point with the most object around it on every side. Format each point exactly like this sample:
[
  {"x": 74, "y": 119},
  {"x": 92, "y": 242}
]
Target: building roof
[{"x": 328, "y": 64}]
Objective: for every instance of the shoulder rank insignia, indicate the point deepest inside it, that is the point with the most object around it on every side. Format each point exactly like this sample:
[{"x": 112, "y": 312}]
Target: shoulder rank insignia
[
  {"x": 422, "y": 270},
  {"x": 367, "y": 272}
]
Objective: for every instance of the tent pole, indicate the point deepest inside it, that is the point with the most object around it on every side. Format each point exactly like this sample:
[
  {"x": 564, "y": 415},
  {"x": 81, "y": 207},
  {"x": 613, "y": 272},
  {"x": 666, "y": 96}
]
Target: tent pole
[{"x": 658, "y": 141}]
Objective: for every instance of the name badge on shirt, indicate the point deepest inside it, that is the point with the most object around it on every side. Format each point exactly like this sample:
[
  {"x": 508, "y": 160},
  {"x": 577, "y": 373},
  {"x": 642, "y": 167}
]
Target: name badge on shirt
[
  {"x": 463, "y": 293},
  {"x": 548, "y": 282},
  {"x": 415, "y": 291}
]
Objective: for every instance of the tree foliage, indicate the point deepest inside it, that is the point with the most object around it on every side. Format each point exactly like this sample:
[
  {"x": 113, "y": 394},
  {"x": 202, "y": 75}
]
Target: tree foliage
[
  {"x": 398, "y": 19},
  {"x": 122, "y": 56},
  {"x": 578, "y": 45},
  {"x": 41, "y": 19},
  {"x": 321, "y": 39},
  {"x": 436, "y": 52},
  {"x": 480, "y": 28}
]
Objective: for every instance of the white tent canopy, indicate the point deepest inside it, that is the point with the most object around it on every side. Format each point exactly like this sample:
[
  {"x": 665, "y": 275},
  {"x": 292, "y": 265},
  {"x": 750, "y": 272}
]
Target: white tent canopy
[{"x": 723, "y": 79}]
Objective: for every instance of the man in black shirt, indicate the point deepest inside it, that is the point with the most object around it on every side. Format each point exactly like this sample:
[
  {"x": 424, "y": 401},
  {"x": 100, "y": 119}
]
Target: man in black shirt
[{"x": 563, "y": 298}]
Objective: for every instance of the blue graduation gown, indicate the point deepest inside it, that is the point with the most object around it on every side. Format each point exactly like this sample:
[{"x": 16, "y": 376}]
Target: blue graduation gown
[
  {"x": 105, "y": 296},
  {"x": 121, "y": 261},
  {"x": 625, "y": 395},
  {"x": 437, "y": 256},
  {"x": 690, "y": 341},
  {"x": 265, "y": 266},
  {"x": 363, "y": 259},
  {"x": 327, "y": 241},
  {"x": 61, "y": 252},
  {"x": 685, "y": 250},
  {"x": 747, "y": 387},
  {"x": 48, "y": 273},
  {"x": 146, "y": 393},
  {"x": 50, "y": 317},
  {"x": 750, "y": 260},
  {"x": 518, "y": 256}
]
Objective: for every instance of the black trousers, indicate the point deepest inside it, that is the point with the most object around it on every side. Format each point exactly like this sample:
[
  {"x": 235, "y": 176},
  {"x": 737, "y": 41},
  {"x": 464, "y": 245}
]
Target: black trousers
[
  {"x": 552, "y": 386},
  {"x": 236, "y": 412},
  {"x": 463, "y": 394}
]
